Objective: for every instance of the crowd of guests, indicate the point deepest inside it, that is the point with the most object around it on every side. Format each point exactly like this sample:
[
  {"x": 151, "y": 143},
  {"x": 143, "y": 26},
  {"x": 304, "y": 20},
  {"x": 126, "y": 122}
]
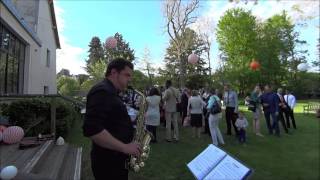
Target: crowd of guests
[{"x": 202, "y": 110}]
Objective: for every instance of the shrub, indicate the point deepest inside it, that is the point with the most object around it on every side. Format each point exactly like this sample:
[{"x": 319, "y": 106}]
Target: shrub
[{"x": 28, "y": 113}]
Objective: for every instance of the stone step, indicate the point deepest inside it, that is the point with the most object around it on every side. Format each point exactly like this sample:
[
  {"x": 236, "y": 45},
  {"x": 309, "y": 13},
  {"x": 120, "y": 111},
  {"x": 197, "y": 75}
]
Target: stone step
[
  {"x": 71, "y": 168},
  {"x": 22, "y": 159},
  {"x": 49, "y": 165}
]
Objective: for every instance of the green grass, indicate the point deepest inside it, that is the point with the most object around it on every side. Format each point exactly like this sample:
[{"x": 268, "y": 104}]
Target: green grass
[{"x": 293, "y": 156}]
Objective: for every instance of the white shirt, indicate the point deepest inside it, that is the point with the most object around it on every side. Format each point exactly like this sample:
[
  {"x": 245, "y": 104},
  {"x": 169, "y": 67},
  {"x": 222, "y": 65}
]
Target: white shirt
[
  {"x": 196, "y": 104},
  {"x": 241, "y": 123},
  {"x": 153, "y": 112},
  {"x": 291, "y": 100}
]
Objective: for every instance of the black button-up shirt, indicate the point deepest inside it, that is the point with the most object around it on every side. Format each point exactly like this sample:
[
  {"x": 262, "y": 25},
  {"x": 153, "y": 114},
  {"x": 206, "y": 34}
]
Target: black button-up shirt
[{"x": 106, "y": 110}]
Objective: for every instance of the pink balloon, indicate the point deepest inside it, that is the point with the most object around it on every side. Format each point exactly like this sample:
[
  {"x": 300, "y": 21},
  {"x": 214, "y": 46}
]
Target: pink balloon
[
  {"x": 12, "y": 134},
  {"x": 193, "y": 58},
  {"x": 111, "y": 42}
]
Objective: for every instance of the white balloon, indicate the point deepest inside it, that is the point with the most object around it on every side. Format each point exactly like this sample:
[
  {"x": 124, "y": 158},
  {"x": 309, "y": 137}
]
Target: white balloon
[
  {"x": 60, "y": 141},
  {"x": 303, "y": 67},
  {"x": 8, "y": 172}
]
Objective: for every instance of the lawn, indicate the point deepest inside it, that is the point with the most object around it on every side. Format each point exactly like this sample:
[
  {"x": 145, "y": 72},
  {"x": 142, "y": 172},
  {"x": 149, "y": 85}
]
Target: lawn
[{"x": 292, "y": 156}]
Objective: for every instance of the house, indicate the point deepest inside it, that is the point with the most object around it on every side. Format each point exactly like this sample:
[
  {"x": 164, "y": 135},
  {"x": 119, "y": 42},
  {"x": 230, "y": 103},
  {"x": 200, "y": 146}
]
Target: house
[{"x": 28, "y": 42}]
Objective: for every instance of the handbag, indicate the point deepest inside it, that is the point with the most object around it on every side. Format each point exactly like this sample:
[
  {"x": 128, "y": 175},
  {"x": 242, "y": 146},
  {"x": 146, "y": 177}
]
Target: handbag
[
  {"x": 216, "y": 108},
  {"x": 186, "y": 121}
]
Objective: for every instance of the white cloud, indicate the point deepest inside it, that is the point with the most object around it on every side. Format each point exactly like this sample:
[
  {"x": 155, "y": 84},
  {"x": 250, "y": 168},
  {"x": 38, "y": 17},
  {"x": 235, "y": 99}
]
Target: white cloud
[{"x": 68, "y": 57}]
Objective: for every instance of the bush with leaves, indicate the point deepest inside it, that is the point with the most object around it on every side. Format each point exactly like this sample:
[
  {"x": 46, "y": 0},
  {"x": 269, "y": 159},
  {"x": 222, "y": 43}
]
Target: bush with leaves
[{"x": 34, "y": 116}]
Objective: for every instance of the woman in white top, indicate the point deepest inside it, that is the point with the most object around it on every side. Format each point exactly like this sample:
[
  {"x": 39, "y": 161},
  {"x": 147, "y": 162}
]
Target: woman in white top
[
  {"x": 214, "y": 120},
  {"x": 195, "y": 107},
  {"x": 153, "y": 112}
]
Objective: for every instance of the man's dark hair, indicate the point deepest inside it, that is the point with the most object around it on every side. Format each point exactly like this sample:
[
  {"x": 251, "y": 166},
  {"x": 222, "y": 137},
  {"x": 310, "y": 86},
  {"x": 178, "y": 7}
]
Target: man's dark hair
[
  {"x": 119, "y": 64},
  {"x": 154, "y": 91},
  {"x": 168, "y": 83},
  {"x": 212, "y": 91}
]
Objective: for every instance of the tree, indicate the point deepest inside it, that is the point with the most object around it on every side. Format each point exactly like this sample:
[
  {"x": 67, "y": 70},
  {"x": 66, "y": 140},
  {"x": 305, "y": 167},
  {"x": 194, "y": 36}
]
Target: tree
[
  {"x": 95, "y": 51},
  {"x": 96, "y": 73},
  {"x": 139, "y": 80},
  {"x": 195, "y": 75},
  {"x": 283, "y": 45},
  {"x": 122, "y": 50},
  {"x": 238, "y": 40},
  {"x": 147, "y": 65},
  {"x": 178, "y": 16},
  {"x": 68, "y": 86},
  {"x": 205, "y": 29}
]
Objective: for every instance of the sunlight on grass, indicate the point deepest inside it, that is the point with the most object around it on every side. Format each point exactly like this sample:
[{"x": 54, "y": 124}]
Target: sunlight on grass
[{"x": 292, "y": 156}]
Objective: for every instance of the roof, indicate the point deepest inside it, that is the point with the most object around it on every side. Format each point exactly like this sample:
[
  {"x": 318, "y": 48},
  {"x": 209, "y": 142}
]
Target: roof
[
  {"x": 54, "y": 23},
  {"x": 8, "y": 4}
]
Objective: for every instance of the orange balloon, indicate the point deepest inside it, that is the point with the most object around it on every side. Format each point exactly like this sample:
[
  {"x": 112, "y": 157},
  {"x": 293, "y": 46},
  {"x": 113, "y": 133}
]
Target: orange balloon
[{"x": 254, "y": 65}]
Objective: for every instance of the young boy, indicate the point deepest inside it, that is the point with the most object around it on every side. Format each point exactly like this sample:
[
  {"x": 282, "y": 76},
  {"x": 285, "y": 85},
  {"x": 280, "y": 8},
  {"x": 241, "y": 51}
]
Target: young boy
[{"x": 241, "y": 124}]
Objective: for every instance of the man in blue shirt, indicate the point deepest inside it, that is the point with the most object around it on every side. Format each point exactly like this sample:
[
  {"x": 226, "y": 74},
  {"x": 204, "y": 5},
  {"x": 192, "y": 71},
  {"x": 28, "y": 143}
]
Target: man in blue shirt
[{"x": 270, "y": 104}]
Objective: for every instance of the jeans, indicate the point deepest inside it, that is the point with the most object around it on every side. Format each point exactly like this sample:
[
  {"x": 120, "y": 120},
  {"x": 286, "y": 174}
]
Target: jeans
[
  {"x": 274, "y": 125},
  {"x": 242, "y": 135}
]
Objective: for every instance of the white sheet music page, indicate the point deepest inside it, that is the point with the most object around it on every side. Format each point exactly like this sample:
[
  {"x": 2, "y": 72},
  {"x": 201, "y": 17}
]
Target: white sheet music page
[
  {"x": 205, "y": 161},
  {"x": 228, "y": 169}
]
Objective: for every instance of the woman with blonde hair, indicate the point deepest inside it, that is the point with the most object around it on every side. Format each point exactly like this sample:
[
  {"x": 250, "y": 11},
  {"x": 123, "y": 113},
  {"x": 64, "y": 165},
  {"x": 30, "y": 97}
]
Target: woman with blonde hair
[{"x": 255, "y": 103}]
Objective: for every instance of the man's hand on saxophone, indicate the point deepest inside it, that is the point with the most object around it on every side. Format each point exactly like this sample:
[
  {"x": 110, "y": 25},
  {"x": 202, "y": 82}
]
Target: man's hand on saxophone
[{"x": 133, "y": 149}]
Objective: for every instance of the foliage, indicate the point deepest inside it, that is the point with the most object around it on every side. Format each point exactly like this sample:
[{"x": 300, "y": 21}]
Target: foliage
[
  {"x": 148, "y": 66},
  {"x": 122, "y": 50},
  {"x": 196, "y": 74},
  {"x": 178, "y": 16},
  {"x": 274, "y": 43},
  {"x": 96, "y": 73},
  {"x": 237, "y": 37},
  {"x": 139, "y": 80},
  {"x": 68, "y": 86},
  {"x": 95, "y": 51},
  {"x": 26, "y": 113}
]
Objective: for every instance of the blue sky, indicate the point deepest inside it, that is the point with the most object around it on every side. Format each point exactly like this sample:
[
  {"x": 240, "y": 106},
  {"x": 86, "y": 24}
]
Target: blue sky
[{"x": 142, "y": 25}]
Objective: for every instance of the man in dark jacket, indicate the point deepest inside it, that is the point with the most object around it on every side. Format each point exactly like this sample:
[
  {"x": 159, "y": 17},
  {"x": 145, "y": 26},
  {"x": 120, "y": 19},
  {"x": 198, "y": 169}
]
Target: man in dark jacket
[
  {"x": 108, "y": 124},
  {"x": 270, "y": 104},
  {"x": 283, "y": 108}
]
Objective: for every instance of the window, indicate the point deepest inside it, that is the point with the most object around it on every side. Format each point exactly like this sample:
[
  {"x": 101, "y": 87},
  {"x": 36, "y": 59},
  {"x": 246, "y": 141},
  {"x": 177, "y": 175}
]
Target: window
[
  {"x": 12, "y": 58},
  {"x": 46, "y": 90},
  {"x": 48, "y": 58}
]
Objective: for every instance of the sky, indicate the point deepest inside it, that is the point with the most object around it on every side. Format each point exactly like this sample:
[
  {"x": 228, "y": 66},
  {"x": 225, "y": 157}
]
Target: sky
[{"x": 141, "y": 23}]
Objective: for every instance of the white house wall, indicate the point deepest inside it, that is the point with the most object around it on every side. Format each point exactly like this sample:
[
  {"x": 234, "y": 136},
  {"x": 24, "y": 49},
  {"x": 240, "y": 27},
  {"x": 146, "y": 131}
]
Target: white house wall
[
  {"x": 36, "y": 73},
  {"x": 31, "y": 46},
  {"x": 46, "y": 34}
]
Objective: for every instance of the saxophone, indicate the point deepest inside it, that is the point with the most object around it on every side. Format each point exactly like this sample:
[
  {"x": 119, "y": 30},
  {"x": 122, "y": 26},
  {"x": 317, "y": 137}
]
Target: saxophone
[{"x": 141, "y": 136}]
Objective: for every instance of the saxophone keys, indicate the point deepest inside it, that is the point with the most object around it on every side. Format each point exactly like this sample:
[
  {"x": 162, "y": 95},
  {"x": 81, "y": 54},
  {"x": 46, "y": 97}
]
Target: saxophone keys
[
  {"x": 144, "y": 155},
  {"x": 133, "y": 160},
  {"x": 141, "y": 164},
  {"x": 136, "y": 168},
  {"x": 146, "y": 148}
]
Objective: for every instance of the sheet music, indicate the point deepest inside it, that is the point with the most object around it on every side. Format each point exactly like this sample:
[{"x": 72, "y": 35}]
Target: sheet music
[
  {"x": 228, "y": 169},
  {"x": 205, "y": 161}
]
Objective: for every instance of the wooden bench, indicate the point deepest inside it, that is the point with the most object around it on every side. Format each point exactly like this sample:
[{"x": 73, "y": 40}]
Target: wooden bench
[{"x": 312, "y": 107}]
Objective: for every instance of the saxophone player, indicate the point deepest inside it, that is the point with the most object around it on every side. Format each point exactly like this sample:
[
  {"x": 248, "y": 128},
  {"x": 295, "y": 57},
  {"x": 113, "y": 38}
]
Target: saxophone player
[{"x": 108, "y": 124}]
